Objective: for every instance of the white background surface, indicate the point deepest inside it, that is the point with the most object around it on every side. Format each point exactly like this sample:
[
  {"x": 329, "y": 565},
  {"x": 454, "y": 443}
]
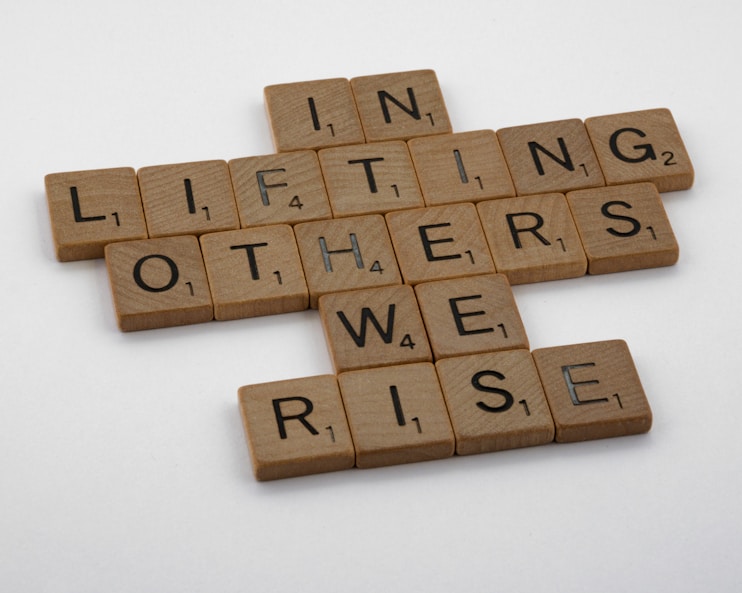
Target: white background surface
[{"x": 123, "y": 465}]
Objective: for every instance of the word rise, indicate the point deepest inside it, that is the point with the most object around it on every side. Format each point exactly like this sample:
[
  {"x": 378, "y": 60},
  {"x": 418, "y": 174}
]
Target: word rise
[{"x": 406, "y": 237}]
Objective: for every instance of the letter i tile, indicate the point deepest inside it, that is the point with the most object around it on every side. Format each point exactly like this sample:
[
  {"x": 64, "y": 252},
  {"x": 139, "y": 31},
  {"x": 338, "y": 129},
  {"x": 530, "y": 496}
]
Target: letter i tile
[
  {"x": 158, "y": 283},
  {"x": 396, "y": 415},
  {"x": 188, "y": 198},
  {"x": 296, "y": 427},
  {"x": 312, "y": 114},
  {"x": 593, "y": 390},
  {"x": 495, "y": 401}
]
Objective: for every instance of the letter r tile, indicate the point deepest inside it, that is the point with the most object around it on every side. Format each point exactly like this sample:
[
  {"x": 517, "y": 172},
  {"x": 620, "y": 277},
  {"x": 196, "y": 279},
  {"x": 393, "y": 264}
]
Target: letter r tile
[
  {"x": 396, "y": 415},
  {"x": 313, "y": 114},
  {"x": 593, "y": 390},
  {"x": 158, "y": 283},
  {"x": 296, "y": 427}
]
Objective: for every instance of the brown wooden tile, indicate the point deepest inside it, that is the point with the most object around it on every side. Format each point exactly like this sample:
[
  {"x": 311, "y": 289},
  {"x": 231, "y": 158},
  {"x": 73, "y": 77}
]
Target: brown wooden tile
[
  {"x": 374, "y": 327},
  {"x": 593, "y": 390},
  {"x": 396, "y": 415},
  {"x": 471, "y": 315},
  {"x": 533, "y": 238},
  {"x": 439, "y": 242},
  {"x": 158, "y": 283},
  {"x": 296, "y": 427},
  {"x": 284, "y": 188},
  {"x": 550, "y": 157},
  {"x": 312, "y": 114},
  {"x": 495, "y": 401},
  {"x": 254, "y": 272},
  {"x": 463, "y": 167},
  {"x": 400, "y": 105},
  {"x": 188, "y": 198},
  {"x": 89, "y": 209},
  {"x": 346, "y": 254},
  {"x": 623, "y": 227},
  {"x": 370, "y": 178},
  {"x": 641, "y": 146}
]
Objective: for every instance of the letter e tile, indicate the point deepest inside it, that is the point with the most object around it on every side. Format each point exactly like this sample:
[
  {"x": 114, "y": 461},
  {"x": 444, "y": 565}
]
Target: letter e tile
[
  {"x": 471, "y": 315},
  {"x": 158, "y": 283},
  {"x": 593, "y": 391},
  {"x": 623, "y": 227},
  {"x": 396, "y": 415},
  {"x": 439, "y": 242},
  {"x": 89, "y": 209},
  {"x": 296, "y": 427},
  {"x": 495, "y": 401}
]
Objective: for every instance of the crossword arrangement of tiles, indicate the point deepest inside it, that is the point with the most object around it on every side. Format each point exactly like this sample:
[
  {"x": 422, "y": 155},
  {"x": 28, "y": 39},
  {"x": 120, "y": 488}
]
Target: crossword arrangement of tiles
[{"x": 407, "y": 238}]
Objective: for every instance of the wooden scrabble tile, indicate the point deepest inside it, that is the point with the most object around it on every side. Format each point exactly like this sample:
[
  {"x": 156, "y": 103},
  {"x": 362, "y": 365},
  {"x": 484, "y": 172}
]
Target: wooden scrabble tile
[
  {"x": 439, "y": 242},
  {"x": 296, "y": 427},
  {"x": 533, "y": 238},
  {"x": 284, "y": 188},
  {"x": 550, "y": 157},
  {"x": 158, "y": 283},
  {"x": 623, "y": 227},
  {"x": 188, "y": 198},
  {"x": 346, "y": 254},
  {"x": 593, "y": 390},
  {"x": 463, "y": 167},
  {"x": 370, "y": 178},
  {"x": 495, "y": 401},
  {"x": 400, "y": 105},
  {"x": 254, "y": 272},
  {"x": 470, "y": 315},
  {"x": 374, "y": 327},
  {"x": 312, "y": 114},
  {"x": 641, "y": 146},
  {"x": 89, "y": 209},
  {"x": 396, "y": 415}
]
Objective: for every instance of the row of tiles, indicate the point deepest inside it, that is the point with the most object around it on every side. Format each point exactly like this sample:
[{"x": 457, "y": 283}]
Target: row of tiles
[
  {"x": 278, "y": 268},
  {"x": 464, "y": 405},
  {"x": 89, "y": 209}
]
